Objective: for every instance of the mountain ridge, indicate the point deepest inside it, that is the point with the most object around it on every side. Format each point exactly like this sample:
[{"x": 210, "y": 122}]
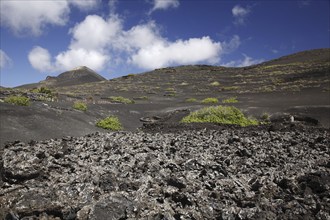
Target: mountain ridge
[{"x": 82, "y": 74}]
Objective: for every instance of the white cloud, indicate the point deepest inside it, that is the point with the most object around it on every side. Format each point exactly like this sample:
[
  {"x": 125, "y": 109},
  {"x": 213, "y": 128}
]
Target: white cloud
[
  {"x": 84, "y": 4},
  {"x": 247, "y": 61},
  {"x": 95, "y": 33},
  {"x": 164, "y": 4},
  {"x": 193, "y": 50},
  {"x": 240, "y": 13},
  {"x": 140, "y": 46},
  {"x": 31, "y": 17},
  {"x": 112, "y": 6},
  {"x": 5, "y": 60},
  {"x": 80, "y": 57},
  {"x": 142, "y": 36},
  {"x": 40, "y": 59},
  {"x": 232, "y": 45}
]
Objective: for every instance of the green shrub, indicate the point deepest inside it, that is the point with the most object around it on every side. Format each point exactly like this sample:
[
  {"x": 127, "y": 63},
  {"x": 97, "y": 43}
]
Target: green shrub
[
  {"x": 215, "y": 83},
  {"x": 265, "y": 116},
  {"x": 110, "y": 123},
  {"x": 80, "y": 106},
  {"x": 18, "y": 100},
  {"x": 230, "y": 100},
  {"x": 210, "y": 101},
  {"x": 220, "y": 115},
  {"x": 121, "y": 99},
  {"x": 191, "y": 100}
]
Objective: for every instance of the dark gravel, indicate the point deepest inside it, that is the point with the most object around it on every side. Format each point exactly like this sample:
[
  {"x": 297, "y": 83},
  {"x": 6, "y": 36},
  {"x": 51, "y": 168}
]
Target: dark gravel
[{"x": 232, "y": 173}]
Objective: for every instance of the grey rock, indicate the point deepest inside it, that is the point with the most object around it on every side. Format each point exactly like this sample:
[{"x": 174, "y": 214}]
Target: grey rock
[{"x": 204, "y": 174}]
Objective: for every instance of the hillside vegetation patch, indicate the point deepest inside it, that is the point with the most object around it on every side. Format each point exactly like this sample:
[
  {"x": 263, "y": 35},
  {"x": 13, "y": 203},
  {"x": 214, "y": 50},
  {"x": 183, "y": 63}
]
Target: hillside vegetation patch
[
  {"x": 18, "y": 100},
  {"x": 210, "y": 101},
  {"x": 80, "y": 106},
  {"x": 230, "y": 100},
  {"x": 191, "y": 100},
  {"x": 110, "y": 123},
  {"x": 215, "y": 83},
  {"x": 120, "y": 99},
  {"x": 220, "y": 115}
]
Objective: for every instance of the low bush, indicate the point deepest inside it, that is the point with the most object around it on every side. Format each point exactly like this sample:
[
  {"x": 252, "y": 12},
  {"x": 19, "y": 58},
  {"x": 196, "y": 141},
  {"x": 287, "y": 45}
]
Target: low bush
[
  {"x": 120, "y": 99},
  {"x": 210, "y": 101},
  {"x": 220, "y": 115},
  {"x": 230, "y": 100},
  {"x": 265, "y": 117},
  {"x": 110, "y": 123},
  {"x": 43, "y": 90},
  {"x": 18, "y": 100},
  {"x": 80, "y": 106},
  {"x": 215, "y": 83},
  {"x": 191, "y": 100}
]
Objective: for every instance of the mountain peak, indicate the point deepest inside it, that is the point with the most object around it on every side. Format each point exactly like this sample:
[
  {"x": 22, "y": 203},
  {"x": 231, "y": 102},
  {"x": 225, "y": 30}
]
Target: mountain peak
[{"x": 82, "y": 68}]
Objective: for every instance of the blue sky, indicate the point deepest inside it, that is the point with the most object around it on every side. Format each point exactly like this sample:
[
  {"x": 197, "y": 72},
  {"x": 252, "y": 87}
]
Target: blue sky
[{"x": 118, "y": 37}]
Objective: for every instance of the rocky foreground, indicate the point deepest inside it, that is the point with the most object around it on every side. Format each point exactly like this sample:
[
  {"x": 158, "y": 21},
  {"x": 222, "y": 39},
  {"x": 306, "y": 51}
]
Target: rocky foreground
[{"x": 206, "y": 174}]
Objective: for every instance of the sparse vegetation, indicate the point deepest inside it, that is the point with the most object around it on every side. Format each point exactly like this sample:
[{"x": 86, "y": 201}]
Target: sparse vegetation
[
  {"x": 43, "y": 90},
  {"x": 269, "y": 88},
  {"x": 191, "y": 100},
  {"x": 230, "y": 100},
  {"x": 210, "y": 101},
  {"x": 110, "y": 123},
  {"x": 81, "y": 106},
  {"x": 220, "y": 115},
  {"x": 18, "y": 100},
  {"x": 265, "y": 117},
  {"x": 43, "y": 94},
  {"x": 170, "y": 90},
  {"x": 120, "y": 99},
  {"x": 215, "y": 83},
  {"x": 230, "y": 88},
  {"x": 143, "y": 97}
]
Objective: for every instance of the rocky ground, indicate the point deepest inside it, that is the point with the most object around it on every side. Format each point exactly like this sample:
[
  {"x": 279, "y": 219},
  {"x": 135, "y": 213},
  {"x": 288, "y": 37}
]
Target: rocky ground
[{"x": 278, "y": 171}]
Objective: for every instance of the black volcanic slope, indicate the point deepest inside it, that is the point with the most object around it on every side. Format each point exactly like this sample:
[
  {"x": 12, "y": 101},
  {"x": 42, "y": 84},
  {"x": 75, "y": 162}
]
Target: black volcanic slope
[
  {"x": 291, "y": 74},
  {"x": 158, "y": 168},
  {"x": 79, "y": 75},
  {"x": 300, "y": 86},
  {"x": 317, "y": 55}
]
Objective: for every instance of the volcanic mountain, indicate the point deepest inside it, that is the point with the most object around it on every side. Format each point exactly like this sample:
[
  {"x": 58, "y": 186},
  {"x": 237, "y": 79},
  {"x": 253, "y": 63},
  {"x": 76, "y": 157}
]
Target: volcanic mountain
[{"x": 76, "y": 76}]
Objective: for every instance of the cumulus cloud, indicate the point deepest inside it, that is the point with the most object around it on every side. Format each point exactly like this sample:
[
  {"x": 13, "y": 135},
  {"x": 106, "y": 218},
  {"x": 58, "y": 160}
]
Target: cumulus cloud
[
  {"x": 104, "y": 32},
  {"x": 164, "y": 4},
  {"x": 31, "y": 17},
  {"x": 240, "y": 13},
  {"x": 189, "y": 51},
  {"x": 40, "y": 59},
  {"x": 247, "y": 61},
  {"x": 5, "y": 60},
  {"x": 81, "y": 57},
  {"x": 140, "y": 46}
]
